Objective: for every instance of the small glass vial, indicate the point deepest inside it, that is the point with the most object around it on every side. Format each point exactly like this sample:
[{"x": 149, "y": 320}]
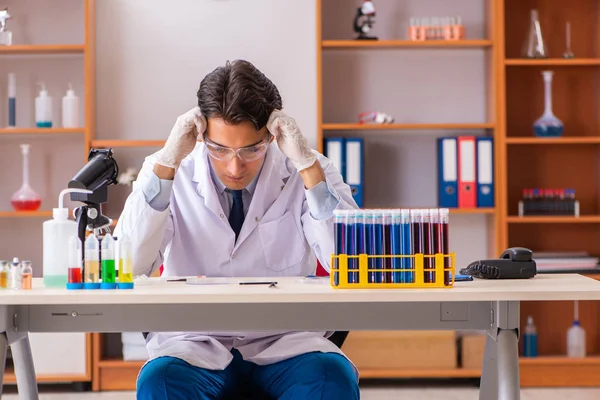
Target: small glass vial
[
  {"x": 15, "y": 274},
  {"x": 92, "y": 263},
  {"x": 109, "y": 280},
  {"x": 5, "y": 36},
  {"x": 26, "y": 275},
  {"x": 4, "y": 274},
  {"x": 125, "y": 263},
  {"x": 75, "y": 280}
]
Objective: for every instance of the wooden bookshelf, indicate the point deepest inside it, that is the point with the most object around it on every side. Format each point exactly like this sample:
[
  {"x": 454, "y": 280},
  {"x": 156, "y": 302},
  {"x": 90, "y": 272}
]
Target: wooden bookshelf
[
  {"x": 378, "y": 44},
  {"x": 558, "y": 140},
  {"x": 553, "y": 62},
  {"x": 583, "y": 219},
  {"x": 43, "y": 49},
  {"x": 25, "y": 214},
  {"x": 126, "y": 143},
  {"x": 397, "y": 127},
  {"x": 40, "y": 131}
]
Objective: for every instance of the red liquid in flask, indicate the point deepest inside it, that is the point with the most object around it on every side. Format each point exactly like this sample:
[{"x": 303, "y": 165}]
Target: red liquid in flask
[
  {"x": 26, "y": 205},
  {"x": 75, "y": 275}
]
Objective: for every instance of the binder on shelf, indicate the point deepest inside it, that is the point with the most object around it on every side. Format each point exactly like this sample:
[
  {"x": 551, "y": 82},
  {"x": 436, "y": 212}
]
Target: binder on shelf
[
  {"x": 335, "y": 151},
  {"x": 355, "y": 168},
  {"x": 485, "y": 172},
  {"x": 467, "y": 190},
  {"x": 447, "y": 172}
]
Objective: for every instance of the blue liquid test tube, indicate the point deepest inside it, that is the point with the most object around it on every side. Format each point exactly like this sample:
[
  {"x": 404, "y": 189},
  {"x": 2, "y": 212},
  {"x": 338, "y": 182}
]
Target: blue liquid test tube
[
  {"x": 396, "y": 249},
  {"x": 416, "y": 226},
  {"x": 368, "y": 237},
  {"x": 386, "y": 247},
  {"x": 338, "y": 227},
  {"x": 359, "y": 241},
  {"x": 406, "y": 246},
  {"x": 378, "y": 241},
  {"x": 350, "y": 246}
]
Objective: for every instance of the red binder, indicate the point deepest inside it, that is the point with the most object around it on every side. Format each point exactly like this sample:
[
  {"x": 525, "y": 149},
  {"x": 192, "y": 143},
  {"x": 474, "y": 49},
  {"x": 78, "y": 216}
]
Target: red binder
[{"x": 467, "y": 181}]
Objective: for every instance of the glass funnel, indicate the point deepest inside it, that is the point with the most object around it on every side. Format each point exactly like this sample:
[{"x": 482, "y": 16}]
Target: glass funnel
[
  {"x": 26, "y": 199},
  {"x": 535, "y": 46},
  {"x": 548, "y": 125}
]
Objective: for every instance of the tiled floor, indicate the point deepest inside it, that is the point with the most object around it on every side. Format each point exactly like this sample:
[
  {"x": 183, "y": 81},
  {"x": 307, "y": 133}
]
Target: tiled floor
[{"x": 372, "y": 393}]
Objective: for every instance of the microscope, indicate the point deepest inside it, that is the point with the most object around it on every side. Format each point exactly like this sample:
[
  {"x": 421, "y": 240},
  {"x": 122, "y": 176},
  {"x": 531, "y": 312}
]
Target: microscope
[
  {"x": 100, "y": 172},
  {"x": 364, "y": 20}
]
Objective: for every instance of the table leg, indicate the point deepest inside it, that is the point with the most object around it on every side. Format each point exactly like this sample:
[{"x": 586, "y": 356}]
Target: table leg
[
  {"x": 509, "y": 385},
  {"x": 24, "y": 368},
  {"x": 488, "y": 387},
  {"x": 3, "y": 349}
]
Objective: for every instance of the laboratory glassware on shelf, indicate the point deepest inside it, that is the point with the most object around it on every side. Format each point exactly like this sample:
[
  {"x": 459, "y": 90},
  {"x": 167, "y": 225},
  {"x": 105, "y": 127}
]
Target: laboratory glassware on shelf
[
  {"x": 548, "y": 125},
  {"x": 535, "y": 46},
  {"x": 568, "y": 52},
  {"x": 26, "y": 199}
]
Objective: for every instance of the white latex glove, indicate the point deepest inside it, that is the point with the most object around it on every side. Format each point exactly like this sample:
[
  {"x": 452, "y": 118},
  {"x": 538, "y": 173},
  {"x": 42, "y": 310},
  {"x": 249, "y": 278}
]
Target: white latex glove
[
  {"x": 182, "y": 139},
  {"x": 290, "y": 140}
]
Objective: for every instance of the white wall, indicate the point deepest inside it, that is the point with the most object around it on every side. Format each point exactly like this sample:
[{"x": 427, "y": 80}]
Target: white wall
[{"x": 153, "y": 55}]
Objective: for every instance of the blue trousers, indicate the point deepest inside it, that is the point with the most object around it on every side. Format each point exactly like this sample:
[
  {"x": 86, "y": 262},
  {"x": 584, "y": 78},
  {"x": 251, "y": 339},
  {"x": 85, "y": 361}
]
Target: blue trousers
[{"x": 327, "y": 376}]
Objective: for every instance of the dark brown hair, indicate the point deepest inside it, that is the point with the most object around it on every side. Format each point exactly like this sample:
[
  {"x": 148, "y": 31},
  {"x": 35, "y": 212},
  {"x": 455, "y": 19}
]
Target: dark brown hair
[{"x": 238, "y": 92}]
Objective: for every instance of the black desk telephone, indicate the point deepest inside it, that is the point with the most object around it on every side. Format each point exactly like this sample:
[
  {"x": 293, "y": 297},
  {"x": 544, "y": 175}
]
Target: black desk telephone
[{"x": 514, "y": 263}]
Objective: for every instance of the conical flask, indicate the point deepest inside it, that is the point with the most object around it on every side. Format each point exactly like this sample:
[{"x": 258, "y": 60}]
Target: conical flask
[
  {"x": 535, "y": 46},
  {"x": 548, "y": 125},
  {"x": 26, "y": 199}
]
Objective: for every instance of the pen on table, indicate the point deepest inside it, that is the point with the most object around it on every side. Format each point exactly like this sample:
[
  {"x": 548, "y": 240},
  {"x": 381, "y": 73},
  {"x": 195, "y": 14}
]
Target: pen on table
[{"x": 270, "y": 283}]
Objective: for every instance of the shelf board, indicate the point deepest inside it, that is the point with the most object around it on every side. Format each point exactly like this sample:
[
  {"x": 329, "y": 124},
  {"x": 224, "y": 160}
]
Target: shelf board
[
  {"x": 482, "y": 210},
  {"x": 556, "y": 140},
  {"x": 419, "y": 373},
  {"x": 342, "y": 44},
  {"x": 560, "y": 360},
  {"x": 43, "y": 49},
  {"x": 127, "y": 143},
  {"x": 553, "y": 220},
  {"x": 119, "y": 363},
  {"x": 19, "y": 214},
  {"x": 556, "y": 62},
  {"x": 39, "y": 131},
  {"x": 393, "y": 127}
]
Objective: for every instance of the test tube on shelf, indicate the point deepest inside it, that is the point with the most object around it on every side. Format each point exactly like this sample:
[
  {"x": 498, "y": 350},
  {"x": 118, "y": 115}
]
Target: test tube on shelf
[
  {"x": 441, "y": 242},
  {"x": 74, "y": 271},
  {"x": 15, "y": 274},
  {"x": 125, "y": 263},
  {"x": 427, "y": 245},
  {"x": 416, "y": 225},
  {"x": 350, "y": 244},
  {"x": 26, "y": 275},
  {"x": 92, "y": 263},
  {"x": 109, "y": 275},
  {"x": 386, "y": 246},
  {"x": 378, "y": 242},
  {"x": 4, "y": 274},
  {"x": 434, "y": 223},
  {"x": 339, "y": 232},
  {"x": 396, "y": 246},
  {"x": 406, "y": 247},
  {"x": 359, "y": 243},
  {"x": 369, "y": 241}
]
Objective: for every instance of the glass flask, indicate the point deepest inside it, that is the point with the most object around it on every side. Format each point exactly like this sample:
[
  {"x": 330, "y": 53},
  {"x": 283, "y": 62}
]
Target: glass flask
[
  {"x": 548, "y": 125},
  {"x": 26, "y": 199},
  {"x": 535, "y": 46}
]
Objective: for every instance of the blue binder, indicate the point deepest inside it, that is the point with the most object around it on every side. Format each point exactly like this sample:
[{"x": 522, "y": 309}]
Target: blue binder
[
  {"x": 355, "y": 169},
  {"x": 485, "y": 172},
  {"x": 335, "y": 151},
  {"x": 447, "y": 172}
]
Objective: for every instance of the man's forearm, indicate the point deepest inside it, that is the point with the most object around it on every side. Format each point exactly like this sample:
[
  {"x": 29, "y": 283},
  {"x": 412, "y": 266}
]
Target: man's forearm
[
  {"x": 312, "y": 175},
  {"x": 164, "y": 172}
]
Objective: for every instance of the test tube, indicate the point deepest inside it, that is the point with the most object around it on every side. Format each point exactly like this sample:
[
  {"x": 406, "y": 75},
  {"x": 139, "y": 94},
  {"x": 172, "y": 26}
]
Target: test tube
[
  {"x": 4, "y": 274},
  {"x": 396, "y": 246},
  {"x": 26, "y": 275},
  {"x": 442, "y": 242},
  {"x": 338, "y": 228},
  {"x": 125, "y": 263},
  {"x": 416, "y": 227},
  {"x": 92, "y": 263},
  {"x": 386, "y": 248},
  {"x": 350, "y": 244},
  {"x": 15, "y": 274},
  {"x": 359, "y": 243},
  {"x": 433, "y": 217},
  {"x": 109, "y": 274},
  {"x": 426, "y": 245},
  {"x": 406, "y": 247},
  {"x": 74, "y": 272},
  {"x": 369, "y": 244},
  {"x": 378, "y": 241}
]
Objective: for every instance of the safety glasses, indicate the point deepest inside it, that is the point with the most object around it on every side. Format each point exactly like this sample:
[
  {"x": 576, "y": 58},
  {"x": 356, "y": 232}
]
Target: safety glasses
[{"x": 247, "y": 154}]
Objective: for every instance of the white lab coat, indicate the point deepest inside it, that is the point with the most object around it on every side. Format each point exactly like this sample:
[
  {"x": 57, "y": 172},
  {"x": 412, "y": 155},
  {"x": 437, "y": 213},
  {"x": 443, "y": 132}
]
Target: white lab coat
[{"x": 192, "y": 236}]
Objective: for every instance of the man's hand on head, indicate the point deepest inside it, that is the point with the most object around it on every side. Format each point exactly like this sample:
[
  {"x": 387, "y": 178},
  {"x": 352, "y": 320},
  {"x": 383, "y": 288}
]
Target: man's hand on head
[
  {"x": 290, "y": 140},
  {"x": 181, "y": 140}
]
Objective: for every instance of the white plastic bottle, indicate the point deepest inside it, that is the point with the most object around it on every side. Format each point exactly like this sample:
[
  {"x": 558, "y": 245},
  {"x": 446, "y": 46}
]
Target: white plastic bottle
[
  {"x": 70, "y": 109},
  {"x": 576, "y": 336},
  {"x": 43, "y": 109},
  {"x": 55, "y": 243}
]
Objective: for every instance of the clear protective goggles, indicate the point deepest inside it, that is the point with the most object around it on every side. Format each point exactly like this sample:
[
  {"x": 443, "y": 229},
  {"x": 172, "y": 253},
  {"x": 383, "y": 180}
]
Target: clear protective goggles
[{"x": 246, "y": 154}]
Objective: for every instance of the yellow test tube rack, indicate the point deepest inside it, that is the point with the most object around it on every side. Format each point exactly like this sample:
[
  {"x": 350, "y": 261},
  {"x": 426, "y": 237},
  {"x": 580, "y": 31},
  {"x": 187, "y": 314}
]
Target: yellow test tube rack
[{"x": 443, "y": 276}]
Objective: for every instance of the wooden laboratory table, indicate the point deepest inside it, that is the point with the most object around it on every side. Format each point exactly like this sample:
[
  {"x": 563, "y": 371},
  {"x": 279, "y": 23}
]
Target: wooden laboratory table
[{"x": 155, "y": 305}]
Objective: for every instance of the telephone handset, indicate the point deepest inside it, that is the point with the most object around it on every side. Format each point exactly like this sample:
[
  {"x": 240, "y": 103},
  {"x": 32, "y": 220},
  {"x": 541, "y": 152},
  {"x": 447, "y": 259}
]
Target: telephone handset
[{"x": 514, "y": 263}]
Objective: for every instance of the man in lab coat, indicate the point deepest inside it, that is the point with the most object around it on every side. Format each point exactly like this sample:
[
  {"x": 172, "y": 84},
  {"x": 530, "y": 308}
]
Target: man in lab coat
[{"x": 237, "y": 191}]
